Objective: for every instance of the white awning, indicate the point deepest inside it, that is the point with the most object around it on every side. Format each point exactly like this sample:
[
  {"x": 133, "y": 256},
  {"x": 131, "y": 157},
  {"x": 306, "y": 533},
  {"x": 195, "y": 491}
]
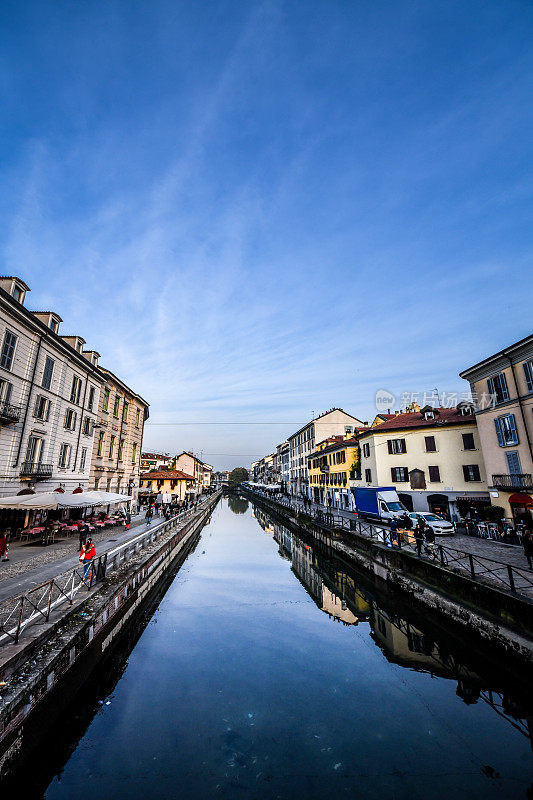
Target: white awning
[{"x": 54, "y": 500}]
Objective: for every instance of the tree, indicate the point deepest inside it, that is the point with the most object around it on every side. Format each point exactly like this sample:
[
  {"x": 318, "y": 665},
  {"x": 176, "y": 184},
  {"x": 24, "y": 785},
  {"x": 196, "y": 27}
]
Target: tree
[{"x": 238, "y": 475}]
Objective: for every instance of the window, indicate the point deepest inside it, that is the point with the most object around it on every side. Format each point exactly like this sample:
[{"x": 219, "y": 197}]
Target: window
[
  {"x": 368, "y": 475},
  {"x": 111, "y": 446},
  {"x": 468, "y": 441},
  {"x": 83, "y": 458},
  {"x": 41, "y": 409},
  {"x": 5, "y": 391},
  {"x": 8, "y": 350},
  {"x": 34, "y": 451},
  {"x": 399, "y": 474},
  {"x": 366, "y": 450},
  {"x": 137, "y": 417},
  {"x": 528, "y": 373},
  {"x": 100, "y": 444},
  {"x": 431, "y": 447},
  {"x": 75, "y": 390},
  {"x": 497, "y": 387},
  {"x": 87, "y": 426},
  {"x": 120, "y": 449},
  {"x": 70, "y": 419},
  {"x": 125, "y": 412},
  {"x": 17, "y": 293},
  {"x": 134, "y": 453},
  {"x": 506, "y": 430},
  {"x": 471, "y": 472},
  {"x": 90, "y": 401},
  {"x": 54, "y": 325},
  {"x": 105, "y": 401},
  {"x": 513, "y": 463},
  {"x": 48, "y": 372},
  {"x": 396, "y": 446},
  {"x": 64, "y": 456},
  {"x": 116, "y": 406},
  {"x": 434, "y": 474}
]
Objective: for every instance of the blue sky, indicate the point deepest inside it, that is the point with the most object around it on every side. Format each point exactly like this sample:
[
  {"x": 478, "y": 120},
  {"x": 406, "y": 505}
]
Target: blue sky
[{"x": 257, "y": 210}]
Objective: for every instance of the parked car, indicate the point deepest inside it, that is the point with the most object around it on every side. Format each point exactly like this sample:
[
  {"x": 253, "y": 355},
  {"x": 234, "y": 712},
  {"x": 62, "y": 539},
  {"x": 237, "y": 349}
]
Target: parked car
[{"x": 439, "y": 525}]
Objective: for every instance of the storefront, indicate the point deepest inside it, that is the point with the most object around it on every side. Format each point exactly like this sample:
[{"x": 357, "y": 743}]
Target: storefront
[{"x": 521, "y": 508}]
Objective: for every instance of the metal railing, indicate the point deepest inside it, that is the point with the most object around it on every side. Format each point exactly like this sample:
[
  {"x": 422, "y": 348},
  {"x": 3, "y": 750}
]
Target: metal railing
[
  {"x": 517, "y": 580},
  {"x": 518, "y": 481},
  {"x": 35, "y": 468},
  {"x": 35, "y": 605},
  {"x": 9, "y": 412}
]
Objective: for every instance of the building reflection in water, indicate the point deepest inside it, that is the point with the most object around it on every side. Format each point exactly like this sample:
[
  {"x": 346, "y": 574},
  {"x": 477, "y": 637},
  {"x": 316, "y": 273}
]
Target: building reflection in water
[{"x": 341, "y": 595}]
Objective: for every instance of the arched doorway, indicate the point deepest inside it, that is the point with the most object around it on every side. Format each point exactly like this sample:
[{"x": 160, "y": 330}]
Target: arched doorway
[
  {"x": 439, "y": 504},
  {"x": 406, "y": 500}
]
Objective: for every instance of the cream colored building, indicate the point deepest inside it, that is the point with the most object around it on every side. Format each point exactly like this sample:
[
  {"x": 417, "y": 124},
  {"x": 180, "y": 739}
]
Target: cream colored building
[
  {"x": 334, "y": 422},
  {"x": 432, "y": 456},
  {"x": 502, "y": 386},
  {"x": 116, "y": 454},
  {"x": 191, "y": 465}
]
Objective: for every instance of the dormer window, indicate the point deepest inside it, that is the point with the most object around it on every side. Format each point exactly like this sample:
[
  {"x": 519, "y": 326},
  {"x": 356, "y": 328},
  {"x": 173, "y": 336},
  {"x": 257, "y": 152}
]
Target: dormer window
[
  {"x": 54, "y": 325},
  {"x": 429, "y": 413},
  {"x": 17, "y": 293}
]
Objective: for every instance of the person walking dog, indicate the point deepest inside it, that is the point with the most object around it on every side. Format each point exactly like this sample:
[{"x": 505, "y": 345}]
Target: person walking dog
[{"x": 87, "y": 553}]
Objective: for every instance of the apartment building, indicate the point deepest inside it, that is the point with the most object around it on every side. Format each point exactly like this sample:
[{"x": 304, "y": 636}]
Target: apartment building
[
  {"x": 165, "y": 486},
  {"x": 283, "y": 464},
  {"x": 49, "y": 394},
  {"x": 332, "y": 468},
  {"x": 502, "y": 386},
  {"x": 431, "y": 455},
  {"x": 334, "y": 422},
  {"x": 150, "y": 461},
  {"x": 191, "y": 465},
  {"x": 116, "y": 454}
]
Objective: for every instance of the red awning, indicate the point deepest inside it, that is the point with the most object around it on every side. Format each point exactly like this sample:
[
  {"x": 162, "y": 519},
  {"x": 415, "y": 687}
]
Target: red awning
[{"x": 521, "y": 499}]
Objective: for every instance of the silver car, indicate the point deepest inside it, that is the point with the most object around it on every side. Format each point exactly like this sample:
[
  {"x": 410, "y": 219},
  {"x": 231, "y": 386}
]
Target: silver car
[{"x": 439, "y": 526}]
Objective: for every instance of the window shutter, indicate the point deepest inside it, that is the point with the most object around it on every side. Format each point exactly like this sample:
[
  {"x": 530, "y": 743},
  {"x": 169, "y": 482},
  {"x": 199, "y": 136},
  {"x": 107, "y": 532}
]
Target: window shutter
[
  {"x": 490, "y": 385},
  {"x": 466, "y": 471},
  {"x": 389, "y": 445},
  {"x": 528, "y": 372},
  {"x": 499, "y": 431},
  {"x": 403, "y": 447},
  {"x": 36, "y": 407},
  {"x": 512, "y": 427}
]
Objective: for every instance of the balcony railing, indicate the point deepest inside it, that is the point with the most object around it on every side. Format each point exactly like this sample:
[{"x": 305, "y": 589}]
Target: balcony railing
[
  {"x": 34, "y": 469},
  {"x": 520, "y": 481},
  {"x": 9, "y": 412}
]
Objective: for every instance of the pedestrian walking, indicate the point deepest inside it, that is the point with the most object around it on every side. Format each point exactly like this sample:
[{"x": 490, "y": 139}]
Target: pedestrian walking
[
  {"x": 83, "y": 530},
  {"x": 4, "y": 547},
  {"x": 527, "y": 542},
  {"x": 149, "y": 516},
  {"x": 87, "y": 553},
  {"x": 394, "y": 527},
  {"x": 127, "y": 521},
  {"x": 429, "y": 538},
  {"x": 419, "y": 535}
]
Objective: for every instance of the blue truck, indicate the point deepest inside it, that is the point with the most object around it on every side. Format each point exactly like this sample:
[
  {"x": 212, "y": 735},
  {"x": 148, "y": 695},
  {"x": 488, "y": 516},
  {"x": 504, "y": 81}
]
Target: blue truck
[{"x": 378, "y": 502}]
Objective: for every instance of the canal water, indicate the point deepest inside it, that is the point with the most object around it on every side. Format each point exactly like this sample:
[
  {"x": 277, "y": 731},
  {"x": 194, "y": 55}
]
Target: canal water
[{"x": 270, "y": 670}]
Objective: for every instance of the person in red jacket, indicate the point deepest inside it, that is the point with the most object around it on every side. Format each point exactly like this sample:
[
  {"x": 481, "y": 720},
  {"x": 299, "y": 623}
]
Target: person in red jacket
[
  {"x": 87, "y": 553},
  {"x": 4, "y": 547}
]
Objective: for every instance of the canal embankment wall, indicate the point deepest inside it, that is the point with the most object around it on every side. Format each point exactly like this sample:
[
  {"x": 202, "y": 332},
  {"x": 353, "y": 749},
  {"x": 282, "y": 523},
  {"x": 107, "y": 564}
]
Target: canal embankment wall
[
  {"x": 43, "y": 672},
  {"x": 494, "y": 619}
]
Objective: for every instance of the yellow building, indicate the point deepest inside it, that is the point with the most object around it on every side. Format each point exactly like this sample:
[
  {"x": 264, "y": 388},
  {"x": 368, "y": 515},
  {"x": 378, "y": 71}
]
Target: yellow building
[
  {"x": 171, "y": 484},
  {"x": 333, "y": 464}
]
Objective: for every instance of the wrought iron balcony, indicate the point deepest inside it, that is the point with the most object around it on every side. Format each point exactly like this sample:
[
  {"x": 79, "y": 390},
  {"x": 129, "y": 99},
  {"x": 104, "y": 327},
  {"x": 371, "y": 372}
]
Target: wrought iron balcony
[
  {"x": 34, "y": 469},
  {"x": 520, "y": 481},
  {"x": 9, "y": 412}
]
